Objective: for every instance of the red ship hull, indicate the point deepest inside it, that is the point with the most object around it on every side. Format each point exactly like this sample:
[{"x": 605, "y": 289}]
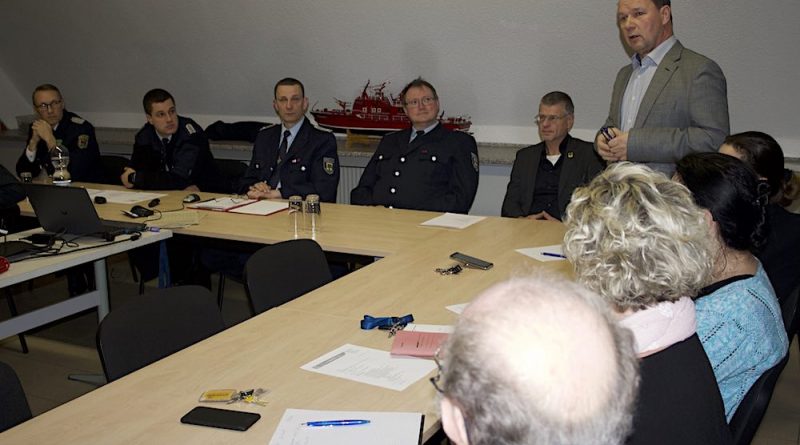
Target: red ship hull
[{"x": 373, "y": 112}]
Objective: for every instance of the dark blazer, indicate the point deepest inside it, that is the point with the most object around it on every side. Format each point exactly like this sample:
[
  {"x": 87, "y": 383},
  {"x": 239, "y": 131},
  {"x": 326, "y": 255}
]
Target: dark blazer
[
  {"x": 579, "y": 165},
  {"x": 187, "y": 160},
  {"x": 437, "y": 171},
  {"x": 679, "y": 400},
  {"x": 310, "y": 167},
  {"x": 76, "y": 135},
  {"x": 685, "y": 109}
]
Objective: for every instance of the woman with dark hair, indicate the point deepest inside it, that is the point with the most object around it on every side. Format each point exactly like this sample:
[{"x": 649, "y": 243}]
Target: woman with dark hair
[
  {"x": 779, "y": 254},
  {"x": 738, "y": 317}
]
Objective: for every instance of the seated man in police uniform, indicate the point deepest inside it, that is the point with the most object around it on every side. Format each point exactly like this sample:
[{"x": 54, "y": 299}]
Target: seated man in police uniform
[
  {"x": 170, "y": 152},
  {"x": 57, "y": 126},
  {"x": 425, "y": 167},
  {"x": 545, "y": 175},
  {"x": 293, "y": 158}
]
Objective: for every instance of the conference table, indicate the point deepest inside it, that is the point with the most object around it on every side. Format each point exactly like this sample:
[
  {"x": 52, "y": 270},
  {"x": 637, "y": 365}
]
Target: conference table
[
  {"x": 92, "y": 250},
  {"x": 268, "y": 350}
]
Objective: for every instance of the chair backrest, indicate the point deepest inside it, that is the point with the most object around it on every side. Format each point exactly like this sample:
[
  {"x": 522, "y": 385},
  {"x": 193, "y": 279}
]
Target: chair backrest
[
  {"x": 14, "y": 407},
  {"x": 791, "y": 317},
  {"x": 112, "y": 168},
  {"x": 284, "y": 271},
  {"x": 231, "y": 171},
  {"x": 155, "y": 325},
  {"x": 748, "y": 415}
]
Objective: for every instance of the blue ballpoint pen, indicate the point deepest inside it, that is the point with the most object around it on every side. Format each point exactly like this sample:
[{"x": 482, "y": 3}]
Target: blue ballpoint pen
[
  {"x": 557, "y": 255},
  {"x": 344, "y": 422}
]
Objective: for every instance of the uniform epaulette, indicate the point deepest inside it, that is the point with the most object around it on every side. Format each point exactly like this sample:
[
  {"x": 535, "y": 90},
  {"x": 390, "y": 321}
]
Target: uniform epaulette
[
  {"x": 265, "y": 127},
  {"x": 77, "y": 120}
]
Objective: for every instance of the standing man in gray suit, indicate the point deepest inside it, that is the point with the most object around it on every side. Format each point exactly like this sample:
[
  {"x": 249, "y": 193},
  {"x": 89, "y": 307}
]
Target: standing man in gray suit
[
  {"x": 545, "y": 175},
  {"x": 669, "y": 102}
]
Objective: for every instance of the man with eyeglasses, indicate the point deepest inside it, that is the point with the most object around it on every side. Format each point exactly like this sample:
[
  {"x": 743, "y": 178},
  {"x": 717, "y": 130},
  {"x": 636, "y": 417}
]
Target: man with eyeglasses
[
  {"x": 545, "y": 175},
  {"x": 295, "y": 157},
  {"x": 537, "y": 361},
  {"x": 57, "y": 126},
  {"x": 669, "y": 101},
  {"x": 171, "y": 152},
  {"x": 425, "y": 167}
]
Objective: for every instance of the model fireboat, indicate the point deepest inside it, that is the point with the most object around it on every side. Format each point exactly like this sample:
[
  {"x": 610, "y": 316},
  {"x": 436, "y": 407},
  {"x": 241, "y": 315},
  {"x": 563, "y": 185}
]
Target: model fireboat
[{"x": 374, "y": 113}]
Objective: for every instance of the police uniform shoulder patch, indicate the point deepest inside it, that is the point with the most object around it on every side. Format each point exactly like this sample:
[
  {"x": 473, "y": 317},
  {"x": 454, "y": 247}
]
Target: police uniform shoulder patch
[
  {"x": 83, "y": 141},
  {"x": 475, "y": 161},
  {"x": 327, "y": 165},
  {"x": 190, "y": 128},
  {"x": 77, "y": 120}
]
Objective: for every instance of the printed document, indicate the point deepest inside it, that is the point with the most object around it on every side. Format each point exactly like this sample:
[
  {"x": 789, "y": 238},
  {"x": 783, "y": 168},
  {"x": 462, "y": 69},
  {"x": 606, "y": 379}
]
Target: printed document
[
  {"x": 385, "y": 428},
  {"x": 371, "y": 366},
  {"x": 124, "y": 197}
]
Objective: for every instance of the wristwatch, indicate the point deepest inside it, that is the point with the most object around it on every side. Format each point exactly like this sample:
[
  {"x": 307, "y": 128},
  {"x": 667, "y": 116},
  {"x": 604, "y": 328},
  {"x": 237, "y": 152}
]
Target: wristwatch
[{"x": 132, "y": 177}]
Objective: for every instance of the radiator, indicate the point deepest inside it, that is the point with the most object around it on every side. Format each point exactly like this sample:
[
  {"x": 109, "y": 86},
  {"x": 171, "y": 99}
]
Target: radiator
[{"x": 348, "y": 180}]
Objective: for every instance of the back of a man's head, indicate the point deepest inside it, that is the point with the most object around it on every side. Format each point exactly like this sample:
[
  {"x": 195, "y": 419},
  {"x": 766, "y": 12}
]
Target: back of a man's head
[{"x": 538, "y": 361}]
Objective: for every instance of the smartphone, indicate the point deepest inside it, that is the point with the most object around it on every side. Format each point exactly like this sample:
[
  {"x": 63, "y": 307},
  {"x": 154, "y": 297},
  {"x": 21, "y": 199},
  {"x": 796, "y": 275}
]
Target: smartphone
[
  {"x": 220, "y": 418},
  {"x": 473, "y": 262}
]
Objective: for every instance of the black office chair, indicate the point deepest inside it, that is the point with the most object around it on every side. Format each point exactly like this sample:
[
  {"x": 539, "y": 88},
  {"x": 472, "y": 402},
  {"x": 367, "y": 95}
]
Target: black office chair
[
  {"x": 14, "y": 407},
  {"x": 751, "y": 410},
  {"x": 231, "y": 171},
  {"x": 154, "y": 326},
  {"x": 281, "y": 272},
  {"x": 112, "y": 168}
]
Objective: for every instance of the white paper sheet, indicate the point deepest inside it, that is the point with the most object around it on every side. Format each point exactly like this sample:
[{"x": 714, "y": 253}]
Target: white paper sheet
[
  {"x": 124, "y": 197},
  {"x": 441, "y": 328},
  {"x": 371, "y": 366},
  {"x": 453, "y": 221},
  {"x": 538, "y": 253},
  {"x": 457, "y": 308},
  {"x": 385, "y": 428},
  {"x": 262, "y": 207}
]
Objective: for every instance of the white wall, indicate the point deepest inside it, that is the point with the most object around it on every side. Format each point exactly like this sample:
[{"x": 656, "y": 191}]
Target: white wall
[
  {"x": 12, "y": 103},
  {"x": 491, "y": 60}
]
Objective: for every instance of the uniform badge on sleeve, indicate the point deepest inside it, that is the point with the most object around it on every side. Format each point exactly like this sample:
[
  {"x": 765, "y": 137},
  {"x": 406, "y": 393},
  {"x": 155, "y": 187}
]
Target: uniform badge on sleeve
[
  {"x": 327, "y": 164},
  {"x": 190, "y": 129},
  {"x": 83, "y": 141},
  {"x": 475, "y": 162}
]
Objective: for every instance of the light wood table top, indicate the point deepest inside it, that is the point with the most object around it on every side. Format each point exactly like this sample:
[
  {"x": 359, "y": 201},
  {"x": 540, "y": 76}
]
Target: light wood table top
[
  {"x": 268, "y": 350},
  {"x": 360, "y": 230}
]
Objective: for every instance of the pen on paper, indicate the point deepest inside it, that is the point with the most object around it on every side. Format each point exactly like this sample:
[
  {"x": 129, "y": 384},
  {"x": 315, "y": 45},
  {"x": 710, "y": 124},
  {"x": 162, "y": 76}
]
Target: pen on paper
[
  {"x": 556, "y": 255},
  {"x": 344, "y": 422},
  {"x": 328, "y": 361}
]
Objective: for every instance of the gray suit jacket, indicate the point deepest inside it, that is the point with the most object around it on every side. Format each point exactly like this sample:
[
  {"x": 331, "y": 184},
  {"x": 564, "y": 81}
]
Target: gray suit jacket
[
  {"x": 580, "y": 165},
  {"x": 684, "y": 110}
]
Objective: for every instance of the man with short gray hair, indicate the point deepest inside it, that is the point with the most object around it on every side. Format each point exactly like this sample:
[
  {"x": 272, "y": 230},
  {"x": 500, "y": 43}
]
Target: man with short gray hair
[
  {"x": 545, "y": 175},
  {"x": 538, "y": 361}
]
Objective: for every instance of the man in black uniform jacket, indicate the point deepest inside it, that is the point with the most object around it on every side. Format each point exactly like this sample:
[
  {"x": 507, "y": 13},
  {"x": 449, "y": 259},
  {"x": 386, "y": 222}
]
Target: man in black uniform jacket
[
  {"x": 293, "y": 158},
  {"x": 425, "y": 167},
  {"x": 545, "y": 175},
  {"x": 170, "y": 152},
  {"x": 57, "y": 126}
]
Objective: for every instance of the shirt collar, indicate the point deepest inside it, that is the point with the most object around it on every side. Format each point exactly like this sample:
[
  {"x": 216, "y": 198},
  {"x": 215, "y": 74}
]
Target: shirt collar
[
  {"x": 294, "y": 130},
  {"x": 655, "y": 56}
]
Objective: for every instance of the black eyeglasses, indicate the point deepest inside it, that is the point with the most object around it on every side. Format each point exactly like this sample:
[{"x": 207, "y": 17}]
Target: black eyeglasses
[{"x": 438, "y": 377}]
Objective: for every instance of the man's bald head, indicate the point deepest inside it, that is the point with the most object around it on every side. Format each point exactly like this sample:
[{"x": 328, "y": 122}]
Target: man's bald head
[{"x": 541, "y": 361}]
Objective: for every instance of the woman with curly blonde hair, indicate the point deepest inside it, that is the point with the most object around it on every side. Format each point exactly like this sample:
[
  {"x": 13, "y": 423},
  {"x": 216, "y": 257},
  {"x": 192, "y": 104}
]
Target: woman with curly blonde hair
[{"x": 636, "y": 238}]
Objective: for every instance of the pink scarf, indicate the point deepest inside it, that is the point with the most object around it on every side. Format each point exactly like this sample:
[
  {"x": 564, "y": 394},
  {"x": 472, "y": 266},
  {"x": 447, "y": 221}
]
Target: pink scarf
[{"x": 661, "y": 326}]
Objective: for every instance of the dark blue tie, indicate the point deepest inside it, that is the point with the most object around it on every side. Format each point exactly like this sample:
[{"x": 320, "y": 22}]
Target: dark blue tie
[{"x": 284, "y": 147}]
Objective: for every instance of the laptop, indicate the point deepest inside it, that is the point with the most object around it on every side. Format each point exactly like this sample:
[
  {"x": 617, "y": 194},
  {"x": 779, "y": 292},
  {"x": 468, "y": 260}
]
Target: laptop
[{"x": 62, "y": 209}]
